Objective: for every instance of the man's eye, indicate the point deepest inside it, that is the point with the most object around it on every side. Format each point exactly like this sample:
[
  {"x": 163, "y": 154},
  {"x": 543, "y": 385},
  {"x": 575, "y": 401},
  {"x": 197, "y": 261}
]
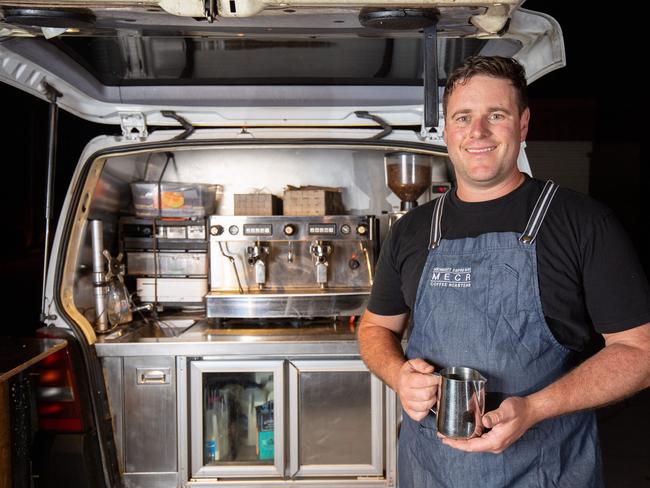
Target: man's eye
[
  {"x": 462, "y": 119},
  {"x": 496, "y": 116}
]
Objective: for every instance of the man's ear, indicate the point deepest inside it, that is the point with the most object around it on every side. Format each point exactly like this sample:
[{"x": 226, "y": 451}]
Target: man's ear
[{"x": 523, "y": 124}]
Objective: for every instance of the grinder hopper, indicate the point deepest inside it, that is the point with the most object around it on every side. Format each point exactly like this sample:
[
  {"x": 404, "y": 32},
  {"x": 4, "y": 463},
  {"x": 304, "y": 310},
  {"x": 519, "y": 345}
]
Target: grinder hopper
[{"x": 408, "y": 175}]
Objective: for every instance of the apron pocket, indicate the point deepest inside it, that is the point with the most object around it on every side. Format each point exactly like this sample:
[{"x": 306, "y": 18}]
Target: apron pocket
[{"x": 502, "y": 293}]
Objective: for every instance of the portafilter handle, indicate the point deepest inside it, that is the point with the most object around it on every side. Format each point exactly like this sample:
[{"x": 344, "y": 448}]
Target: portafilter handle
[
  {"x": 257, "y": 257},
  {"x": 321, "y": 250}
]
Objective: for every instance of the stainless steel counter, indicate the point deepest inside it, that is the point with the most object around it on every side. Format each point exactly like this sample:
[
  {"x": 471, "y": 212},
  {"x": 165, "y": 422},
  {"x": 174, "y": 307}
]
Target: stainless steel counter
[{"x": 199, "y": 337}]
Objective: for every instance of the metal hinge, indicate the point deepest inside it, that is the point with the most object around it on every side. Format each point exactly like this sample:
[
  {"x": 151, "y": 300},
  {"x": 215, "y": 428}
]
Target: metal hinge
[{"x": 133, "y": 125}]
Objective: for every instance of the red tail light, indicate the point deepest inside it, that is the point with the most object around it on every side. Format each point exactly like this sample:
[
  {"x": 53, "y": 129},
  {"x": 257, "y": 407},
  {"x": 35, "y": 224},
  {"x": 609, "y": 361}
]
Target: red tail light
[{"x": 58, "y": 404}]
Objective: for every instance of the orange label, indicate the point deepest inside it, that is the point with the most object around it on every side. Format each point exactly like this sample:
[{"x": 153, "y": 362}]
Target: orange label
[{"x": 172, "y": 199}]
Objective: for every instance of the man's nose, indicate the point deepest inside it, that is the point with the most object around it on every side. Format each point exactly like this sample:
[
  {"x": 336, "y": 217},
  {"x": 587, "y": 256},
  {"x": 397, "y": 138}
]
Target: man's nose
[{"x": 480, "y": 127}]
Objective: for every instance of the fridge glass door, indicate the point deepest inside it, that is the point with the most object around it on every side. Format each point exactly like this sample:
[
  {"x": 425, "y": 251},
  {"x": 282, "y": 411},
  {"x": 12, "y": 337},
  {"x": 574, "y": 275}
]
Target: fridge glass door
[{"x": 237, "y": 418}]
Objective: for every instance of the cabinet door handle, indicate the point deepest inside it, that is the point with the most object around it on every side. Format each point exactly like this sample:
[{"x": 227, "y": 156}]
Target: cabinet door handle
[{"x": 153, "y": 376}]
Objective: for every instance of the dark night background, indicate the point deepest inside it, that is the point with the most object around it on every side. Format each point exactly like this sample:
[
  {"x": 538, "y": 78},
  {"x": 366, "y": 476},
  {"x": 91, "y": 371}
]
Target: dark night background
[{"x": 596, "y": 97}]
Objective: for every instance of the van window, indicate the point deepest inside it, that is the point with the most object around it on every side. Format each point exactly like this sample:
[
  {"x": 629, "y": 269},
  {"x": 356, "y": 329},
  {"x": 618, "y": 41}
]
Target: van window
[{"x": 168, "y": 60}]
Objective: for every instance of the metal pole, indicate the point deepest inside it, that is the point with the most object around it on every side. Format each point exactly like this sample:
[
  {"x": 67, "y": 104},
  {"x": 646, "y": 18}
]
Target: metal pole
[
  {"x": 52, "y": 96},
  {"x": 97, "y": 231}
]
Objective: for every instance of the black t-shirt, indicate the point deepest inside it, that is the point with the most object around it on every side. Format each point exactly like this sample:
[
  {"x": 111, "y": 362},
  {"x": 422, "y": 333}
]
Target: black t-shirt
[{"x": 589, "y": 275}]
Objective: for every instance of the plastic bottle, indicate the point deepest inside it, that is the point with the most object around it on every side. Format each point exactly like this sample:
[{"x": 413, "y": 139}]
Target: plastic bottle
[
  {"x": 221, "y": 427},
  {"x": 211, "y": 429}
]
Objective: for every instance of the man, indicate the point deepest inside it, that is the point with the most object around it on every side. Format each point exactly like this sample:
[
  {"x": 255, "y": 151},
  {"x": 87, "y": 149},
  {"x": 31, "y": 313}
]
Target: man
[{"x": 510, "y": 276}]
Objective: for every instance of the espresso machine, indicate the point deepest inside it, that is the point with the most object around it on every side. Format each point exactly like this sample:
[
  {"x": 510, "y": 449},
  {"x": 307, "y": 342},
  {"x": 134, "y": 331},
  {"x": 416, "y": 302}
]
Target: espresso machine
[
  {"x": 409, "y": 175},
  {"x": 286, "y": 266}
]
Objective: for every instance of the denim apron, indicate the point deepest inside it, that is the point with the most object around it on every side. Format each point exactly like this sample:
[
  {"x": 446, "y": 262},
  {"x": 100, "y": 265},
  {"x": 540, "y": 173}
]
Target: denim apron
[{"x": 478, "y": 305}]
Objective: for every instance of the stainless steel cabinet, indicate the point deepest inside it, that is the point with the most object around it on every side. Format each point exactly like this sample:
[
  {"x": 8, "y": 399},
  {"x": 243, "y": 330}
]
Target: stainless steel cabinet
[
  {"x": 335, "y": 419},
  {"x": 143, "y": 401},
  {"x": 285, "y": 419}
]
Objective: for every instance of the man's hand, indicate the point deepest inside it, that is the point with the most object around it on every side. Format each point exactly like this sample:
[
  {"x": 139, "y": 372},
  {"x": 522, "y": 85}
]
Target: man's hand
[
  {"x": 417, "y": 388},
  {"x": 508, "y": 423}
]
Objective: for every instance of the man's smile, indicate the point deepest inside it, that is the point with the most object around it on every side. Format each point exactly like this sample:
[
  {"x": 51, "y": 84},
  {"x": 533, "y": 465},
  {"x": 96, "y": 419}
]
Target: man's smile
[{"x": 480, "y": 150}]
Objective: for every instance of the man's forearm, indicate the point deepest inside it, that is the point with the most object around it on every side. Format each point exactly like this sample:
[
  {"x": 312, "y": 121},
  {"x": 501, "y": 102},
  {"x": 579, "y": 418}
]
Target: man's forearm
[
  {"x": 382, "y": 353},
  {"x": 381, "y": 350},
  {"x": 616, "y": 372}
]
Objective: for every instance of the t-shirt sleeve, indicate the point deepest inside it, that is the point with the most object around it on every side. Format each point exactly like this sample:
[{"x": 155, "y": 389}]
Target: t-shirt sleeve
[
  {"x": 386, "y": 297},
  {"x": 616, "y": 288}
]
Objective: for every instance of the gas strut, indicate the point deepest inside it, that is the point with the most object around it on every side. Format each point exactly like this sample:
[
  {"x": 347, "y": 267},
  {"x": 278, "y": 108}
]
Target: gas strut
[
  {"x": 52, "y": 95},
  {"x": 430, "y": 77}
]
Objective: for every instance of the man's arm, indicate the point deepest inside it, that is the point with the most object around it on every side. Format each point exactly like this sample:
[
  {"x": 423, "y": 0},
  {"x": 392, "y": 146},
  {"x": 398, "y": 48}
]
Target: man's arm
[
  {"x": 381, "y": 350},
  {"x": 619, "y": 370}
]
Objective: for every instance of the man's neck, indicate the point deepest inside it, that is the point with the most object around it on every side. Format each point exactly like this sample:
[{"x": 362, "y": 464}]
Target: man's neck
[{"x": 477, "y": 194}]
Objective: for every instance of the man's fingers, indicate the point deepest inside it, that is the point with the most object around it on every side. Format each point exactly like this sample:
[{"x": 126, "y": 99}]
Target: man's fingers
[
  {"x": 495, "y": 417},
  {"x": 417, "y": 380},
  {"x": 477, "y": 444},
  {"x": 417, "y": 388},
  {"x": 507, "y": 423},
  {"x": 490, "y": 419},
  {"x": 419, "y": 406},
  {"x": 420, "y": 395},
  {"x": 416, "y": 411},
  {"x": 420, "y": 365}
]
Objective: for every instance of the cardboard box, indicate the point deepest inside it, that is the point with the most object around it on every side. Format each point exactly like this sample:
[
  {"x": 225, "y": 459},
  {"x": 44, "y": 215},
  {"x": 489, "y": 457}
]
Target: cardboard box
[
  {"x": 257, "y": 204},
  {"x": 313, "y": 201}
]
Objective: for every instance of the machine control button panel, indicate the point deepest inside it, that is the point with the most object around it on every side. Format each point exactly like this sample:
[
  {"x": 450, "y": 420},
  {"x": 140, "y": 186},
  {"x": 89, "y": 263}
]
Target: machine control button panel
[
  {"x": 290, "y": 228},
  {"x": 264, "y": 230},
  {"x": 322, "y": 229}
]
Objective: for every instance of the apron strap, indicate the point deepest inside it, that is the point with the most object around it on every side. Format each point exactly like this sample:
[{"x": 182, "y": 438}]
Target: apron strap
[
  {"x": 436, "y": 222},
  {"x": 539, "y": 212}
]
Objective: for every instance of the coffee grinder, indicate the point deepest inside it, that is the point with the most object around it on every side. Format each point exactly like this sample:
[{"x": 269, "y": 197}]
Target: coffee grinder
[{"x": 408, "y": 175}]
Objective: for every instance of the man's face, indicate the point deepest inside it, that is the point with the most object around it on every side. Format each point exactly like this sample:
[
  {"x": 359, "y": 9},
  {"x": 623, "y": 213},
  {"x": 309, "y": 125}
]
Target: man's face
[{"x": 483, "y": 131}]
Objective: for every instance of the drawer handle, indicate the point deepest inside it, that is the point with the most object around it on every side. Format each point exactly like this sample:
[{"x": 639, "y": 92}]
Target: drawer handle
[{"x": 153, "y": 376}]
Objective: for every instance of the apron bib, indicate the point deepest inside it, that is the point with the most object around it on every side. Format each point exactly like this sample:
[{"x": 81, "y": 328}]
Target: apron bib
[{"x": 478, "y": 305}]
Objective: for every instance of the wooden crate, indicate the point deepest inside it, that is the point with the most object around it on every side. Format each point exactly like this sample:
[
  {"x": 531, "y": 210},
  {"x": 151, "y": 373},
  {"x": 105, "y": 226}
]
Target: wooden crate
[
  {"x": 257, "y": 204},
  {"x": 313, "y": 202}
]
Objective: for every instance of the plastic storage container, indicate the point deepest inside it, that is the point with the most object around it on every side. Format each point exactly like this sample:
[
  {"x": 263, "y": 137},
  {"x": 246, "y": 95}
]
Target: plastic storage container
[{"x": 183, "y": 200}]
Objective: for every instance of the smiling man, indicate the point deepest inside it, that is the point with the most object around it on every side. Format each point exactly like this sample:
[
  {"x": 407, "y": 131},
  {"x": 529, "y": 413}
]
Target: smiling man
[
  {"x": 543, "y": 269},
  {"x": 485, "y": 126}
]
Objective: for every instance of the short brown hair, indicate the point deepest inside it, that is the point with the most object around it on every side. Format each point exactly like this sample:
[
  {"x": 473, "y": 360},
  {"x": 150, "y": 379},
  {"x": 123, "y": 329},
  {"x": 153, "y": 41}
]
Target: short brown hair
[{"x": 494, "y": 66}]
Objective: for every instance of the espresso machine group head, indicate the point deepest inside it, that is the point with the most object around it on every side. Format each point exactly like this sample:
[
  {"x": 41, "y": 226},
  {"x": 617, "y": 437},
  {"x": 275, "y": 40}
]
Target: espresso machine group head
[
  {"x": 321, "y": 250},
  {"x": 257, "y": 255}
]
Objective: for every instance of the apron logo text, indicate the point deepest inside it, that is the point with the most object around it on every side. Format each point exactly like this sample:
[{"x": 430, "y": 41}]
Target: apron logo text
[{"x": 451, "y": 277}]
